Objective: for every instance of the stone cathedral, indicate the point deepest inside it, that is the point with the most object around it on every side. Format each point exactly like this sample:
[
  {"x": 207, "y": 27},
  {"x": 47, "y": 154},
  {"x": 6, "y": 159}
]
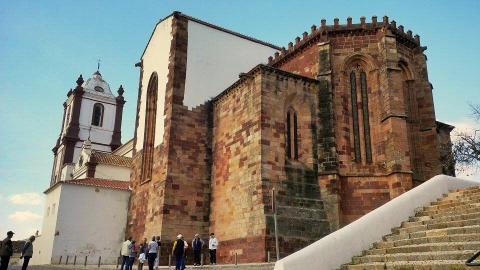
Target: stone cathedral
[{"x": 338, "y": 122}]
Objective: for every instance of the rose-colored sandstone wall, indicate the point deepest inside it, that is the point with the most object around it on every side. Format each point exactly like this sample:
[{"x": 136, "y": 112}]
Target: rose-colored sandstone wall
[{"x": 218, "y": 163}]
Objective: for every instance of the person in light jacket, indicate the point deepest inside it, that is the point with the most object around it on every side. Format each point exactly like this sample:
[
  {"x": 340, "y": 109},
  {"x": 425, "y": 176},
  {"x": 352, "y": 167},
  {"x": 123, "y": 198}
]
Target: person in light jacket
[
  {"x": 27, "y": 252},
  {"x": 125, "y": 252},
  {"x": 212, "y": 247}
]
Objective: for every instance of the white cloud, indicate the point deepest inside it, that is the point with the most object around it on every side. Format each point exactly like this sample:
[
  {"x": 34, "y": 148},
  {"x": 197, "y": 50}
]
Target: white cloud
[
  {"x": 21, "y": 216},
  {"x": 30, "y": 198}
]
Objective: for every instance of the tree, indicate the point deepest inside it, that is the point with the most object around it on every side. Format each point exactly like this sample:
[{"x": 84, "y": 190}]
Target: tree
[{"x": 466, "y": 146}]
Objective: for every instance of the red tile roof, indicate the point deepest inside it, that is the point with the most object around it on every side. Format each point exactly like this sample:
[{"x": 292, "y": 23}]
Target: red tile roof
[
  {"x": 104, "y": 183},
  {"x": 106, "y": 158},
  {"x": 94, "y": 182}
]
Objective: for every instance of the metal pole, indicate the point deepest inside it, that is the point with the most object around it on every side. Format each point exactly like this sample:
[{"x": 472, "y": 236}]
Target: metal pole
[
  {"x": 201, "y": 259},
  {"x": 85, "y": 262},
  {"x": 169, "y": 261},
  {"x": 236, "y": 259},
  {"x": 75, "y": 260},
  {"x": 66, "y": 261},
  {"x": 274, "y": 208},
  {"x": 268, "y": 256},
  {"x": 99, "y": 261}
]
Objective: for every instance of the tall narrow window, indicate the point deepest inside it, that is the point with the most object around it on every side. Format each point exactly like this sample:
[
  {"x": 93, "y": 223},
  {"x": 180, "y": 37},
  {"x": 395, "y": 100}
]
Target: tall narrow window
[
  {"x": 366, "y": 122},
  {"x": 289, "y": 137},
  {"x": 149, "y": 134},
  {"x": 295, "y": 136},
  {"x": 356, "y": 129},
  {"x": 97, "y": 115},
  {"x": 292, "y": 135}
]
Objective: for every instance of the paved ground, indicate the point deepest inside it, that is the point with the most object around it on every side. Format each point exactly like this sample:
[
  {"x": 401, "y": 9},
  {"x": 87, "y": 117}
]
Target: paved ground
[{"x": 259, "y": 266}]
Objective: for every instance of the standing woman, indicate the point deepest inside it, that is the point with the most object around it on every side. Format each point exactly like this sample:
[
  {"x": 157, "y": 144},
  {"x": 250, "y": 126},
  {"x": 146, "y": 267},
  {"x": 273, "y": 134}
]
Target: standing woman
[
  {"x": 133, "y": 254},
  {"x": 27, "y": 252}
]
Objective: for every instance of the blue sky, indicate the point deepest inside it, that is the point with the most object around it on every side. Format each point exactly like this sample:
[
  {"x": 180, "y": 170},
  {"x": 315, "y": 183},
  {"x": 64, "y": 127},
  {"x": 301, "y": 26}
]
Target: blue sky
[{"x": 45, "y": 45}]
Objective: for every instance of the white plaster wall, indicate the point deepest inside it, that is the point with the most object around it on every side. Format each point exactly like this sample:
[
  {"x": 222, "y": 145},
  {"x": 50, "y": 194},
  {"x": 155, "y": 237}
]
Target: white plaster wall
[
  {"x": 101, "y": 134},
  {"x": 59, "y": 160},
  {"x": 155, "y": 59},
  {"x": 112, "y": 172},
  {"x": 91, "y": 221},
  {"x": 67, "y": 171},
  {"x": 43, "y": 245},
  {"x": 126, "y": 150},
  {"x": 214, "y": 60}
]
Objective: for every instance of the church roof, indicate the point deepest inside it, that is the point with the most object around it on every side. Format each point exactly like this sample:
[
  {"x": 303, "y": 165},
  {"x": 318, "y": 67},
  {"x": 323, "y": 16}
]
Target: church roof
[
  {"x": 95, "y": 182},
  {"x": 110, "y": 159},
  {"x": 97, "y": 85},
  {"x": 104, "y": 183}
]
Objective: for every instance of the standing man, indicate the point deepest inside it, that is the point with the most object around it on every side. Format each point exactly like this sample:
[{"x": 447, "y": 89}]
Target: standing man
[
  {"x": 179, "y": 251},
  {"x": 212, "y": 247},
  {"x": 6, "y": 251},
  {"x": 152, "y": 253},
  {"x": 197, "y": 245},
  {"x": 125, "y": 252},
  {"x": 27, "y": 252}
]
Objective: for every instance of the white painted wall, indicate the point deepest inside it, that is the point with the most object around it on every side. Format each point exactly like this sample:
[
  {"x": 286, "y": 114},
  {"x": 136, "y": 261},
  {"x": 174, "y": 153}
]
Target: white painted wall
[
  {"x": 43, "y": 245},
  {"x": 214, "y": 60},
  {"x": 126, "y": 150},
  {"x": 91, "y": 221},
  {"x": 339, "y": 247},
  {"x": 101, "y": 134},
  {"x": 112, "y": 172},
  {"x": 155, "y": 59}
]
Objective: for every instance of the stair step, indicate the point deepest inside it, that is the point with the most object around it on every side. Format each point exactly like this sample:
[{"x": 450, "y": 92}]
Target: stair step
[
  {"x": 443, "y": 206},
  {"x": 458, "y": 199},
  {"x": 438, "y": 225},
  {"x": 411, "y": 265},
  {"x": 449, "y": 210},
  {"x": 427, "y": 247},
  {"x": 424, "y": 240},
  {"x": 416, "y": 256}
]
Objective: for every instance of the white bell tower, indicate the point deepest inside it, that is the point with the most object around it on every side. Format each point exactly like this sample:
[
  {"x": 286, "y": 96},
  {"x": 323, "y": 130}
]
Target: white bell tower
[{"x": 91, "y": 112}]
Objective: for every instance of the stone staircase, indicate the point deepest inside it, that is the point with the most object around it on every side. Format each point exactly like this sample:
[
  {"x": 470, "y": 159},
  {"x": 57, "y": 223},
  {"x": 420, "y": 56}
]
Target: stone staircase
[{"x": 442, "y": 235}]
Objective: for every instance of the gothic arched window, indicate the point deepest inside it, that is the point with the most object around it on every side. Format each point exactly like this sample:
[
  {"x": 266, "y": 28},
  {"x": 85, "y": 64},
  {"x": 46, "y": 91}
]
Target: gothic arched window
[
  {"x": 97, "y": 115},
  {"x": 358, "y": 75},
  {"x": 149, "y": 135},
  {"x": 356, "y": 129},
  {"x": 292, "y": 135}
]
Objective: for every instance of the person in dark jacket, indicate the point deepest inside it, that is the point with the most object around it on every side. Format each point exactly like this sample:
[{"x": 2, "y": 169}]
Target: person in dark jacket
[
  {"x": 27, "y": 252},
  {"x": 6, "y": 251},
  {"x": 197, "y": 245},
  {"x": 179, "y": 252}
]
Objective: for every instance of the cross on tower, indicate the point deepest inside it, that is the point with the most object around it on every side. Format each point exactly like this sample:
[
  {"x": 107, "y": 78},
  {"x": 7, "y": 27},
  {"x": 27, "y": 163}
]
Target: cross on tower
[{"x": 98, "y": 64}]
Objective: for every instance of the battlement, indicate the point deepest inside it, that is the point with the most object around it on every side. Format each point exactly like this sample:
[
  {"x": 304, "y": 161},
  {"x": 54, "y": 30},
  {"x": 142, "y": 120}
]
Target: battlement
[{"x": 324, "y": 31}]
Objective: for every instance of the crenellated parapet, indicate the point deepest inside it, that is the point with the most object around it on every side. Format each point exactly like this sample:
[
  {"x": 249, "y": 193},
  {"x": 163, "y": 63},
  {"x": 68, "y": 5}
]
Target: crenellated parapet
[{"x": 325, "y": 31}]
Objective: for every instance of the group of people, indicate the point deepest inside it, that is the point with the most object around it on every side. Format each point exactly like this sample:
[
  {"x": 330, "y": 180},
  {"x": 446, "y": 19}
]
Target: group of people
[
  {"x": 150, "y": 252},
  {"x": 6, "y": 251}
]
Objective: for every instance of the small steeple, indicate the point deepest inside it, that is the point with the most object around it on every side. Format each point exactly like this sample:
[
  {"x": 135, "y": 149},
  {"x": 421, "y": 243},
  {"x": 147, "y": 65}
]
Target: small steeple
[
  {"x": 80, "y": 80},
  {"x": 120, "y": 90}
]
